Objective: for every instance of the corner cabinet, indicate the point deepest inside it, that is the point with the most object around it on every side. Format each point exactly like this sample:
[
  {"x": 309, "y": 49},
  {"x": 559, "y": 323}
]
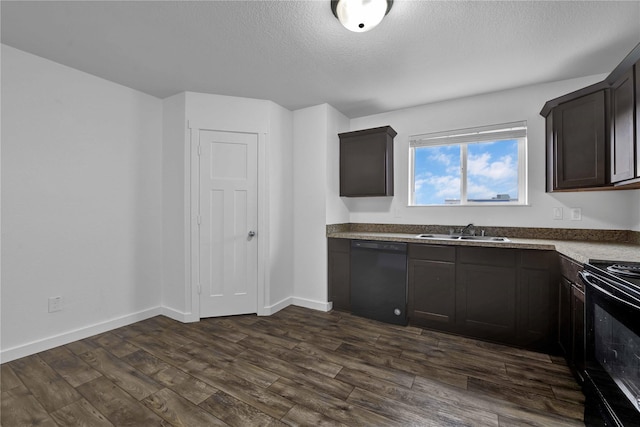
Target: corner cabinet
[
  {"x": 366, "y": 162},
  {"x": 576, "y": 143},
  {"x": 592, "y": 134}
]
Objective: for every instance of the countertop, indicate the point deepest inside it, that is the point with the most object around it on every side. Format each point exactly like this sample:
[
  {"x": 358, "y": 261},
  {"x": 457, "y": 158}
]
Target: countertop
[{"x": 579, "y": 251}]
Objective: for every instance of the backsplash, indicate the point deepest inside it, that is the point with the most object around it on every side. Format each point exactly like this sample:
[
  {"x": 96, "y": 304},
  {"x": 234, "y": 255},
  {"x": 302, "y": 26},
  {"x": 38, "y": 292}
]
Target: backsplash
[{"x": 618, "y": 236}]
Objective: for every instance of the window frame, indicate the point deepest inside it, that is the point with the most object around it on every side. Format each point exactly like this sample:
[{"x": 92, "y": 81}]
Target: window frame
[{"x": 462, "y": 138}]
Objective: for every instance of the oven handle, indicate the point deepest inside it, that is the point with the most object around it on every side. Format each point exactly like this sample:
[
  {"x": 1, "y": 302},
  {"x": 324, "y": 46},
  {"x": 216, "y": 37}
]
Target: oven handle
[{"x": 585, "y": 278}]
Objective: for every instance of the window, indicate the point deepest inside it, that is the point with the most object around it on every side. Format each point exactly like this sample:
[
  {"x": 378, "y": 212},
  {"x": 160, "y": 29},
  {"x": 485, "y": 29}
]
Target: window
[{"x": 479, "y": 166}]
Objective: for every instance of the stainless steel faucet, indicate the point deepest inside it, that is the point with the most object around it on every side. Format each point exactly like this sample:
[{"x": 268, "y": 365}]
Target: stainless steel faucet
[{"x": 465, "y": 229}]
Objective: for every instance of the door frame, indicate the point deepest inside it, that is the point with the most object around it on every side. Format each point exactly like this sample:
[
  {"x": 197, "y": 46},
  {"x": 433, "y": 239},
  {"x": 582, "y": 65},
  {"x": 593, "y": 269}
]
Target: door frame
[{"x": 192, "y": 197}]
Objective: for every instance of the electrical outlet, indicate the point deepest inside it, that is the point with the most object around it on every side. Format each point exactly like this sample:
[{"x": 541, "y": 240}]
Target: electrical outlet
[
  {"x": 557, "y": 213},
  {"x": 576, "y": 214},
  {"x": 55, "y": 304}
]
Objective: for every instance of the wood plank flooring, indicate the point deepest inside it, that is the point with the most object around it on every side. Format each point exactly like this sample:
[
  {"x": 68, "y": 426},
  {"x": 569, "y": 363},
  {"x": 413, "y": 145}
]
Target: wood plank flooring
[{"x": 297, "y": 367}]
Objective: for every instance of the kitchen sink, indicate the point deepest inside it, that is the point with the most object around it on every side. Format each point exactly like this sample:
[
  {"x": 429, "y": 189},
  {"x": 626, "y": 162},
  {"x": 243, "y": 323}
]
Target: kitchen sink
[{"x": 462, "y": 237}]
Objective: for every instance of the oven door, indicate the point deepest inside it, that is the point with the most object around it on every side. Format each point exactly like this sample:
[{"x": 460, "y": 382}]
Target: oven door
[{"x": 612, "y": 352}]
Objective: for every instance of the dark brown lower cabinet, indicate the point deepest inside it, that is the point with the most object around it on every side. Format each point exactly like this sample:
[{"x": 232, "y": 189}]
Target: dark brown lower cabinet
[
  {"x": 571, "y": 334},
  {"x": 339, "y": 273},
  {"x": 432, "y": 276},
  {"x": 565, "y": 317},
  {"x": 502, "y": 295},
  {"x": 537, "y": 299},
  {"x": 486, "y": 303},
  {"x": 578, "y": 341},
  {"x": 496, "y": 294}
]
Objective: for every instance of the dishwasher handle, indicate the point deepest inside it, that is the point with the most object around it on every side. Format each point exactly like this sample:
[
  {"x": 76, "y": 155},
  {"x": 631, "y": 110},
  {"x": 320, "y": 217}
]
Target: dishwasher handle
[{"x": 379, "y": 246}]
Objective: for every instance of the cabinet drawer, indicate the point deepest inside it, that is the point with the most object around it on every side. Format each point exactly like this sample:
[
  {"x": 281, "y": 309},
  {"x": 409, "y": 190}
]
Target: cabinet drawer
[
  {"x": 487, "y": 256},
  {"x": 433, "y": 252}
]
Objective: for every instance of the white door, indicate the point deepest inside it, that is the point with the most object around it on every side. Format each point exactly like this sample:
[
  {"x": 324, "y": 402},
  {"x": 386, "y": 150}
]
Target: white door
[{"x": 228, "y": 203}]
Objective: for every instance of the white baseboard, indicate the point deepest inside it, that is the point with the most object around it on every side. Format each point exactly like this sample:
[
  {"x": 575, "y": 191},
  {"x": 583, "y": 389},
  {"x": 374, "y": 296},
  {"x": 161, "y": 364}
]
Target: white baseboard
[
  {"x": 179, "y": 315},
  {"x": 272, "y": 309},
  {"x": 314, "y": 305},
  {"x": 34, "y": 347},
  {"x": 300, "y": 302}
]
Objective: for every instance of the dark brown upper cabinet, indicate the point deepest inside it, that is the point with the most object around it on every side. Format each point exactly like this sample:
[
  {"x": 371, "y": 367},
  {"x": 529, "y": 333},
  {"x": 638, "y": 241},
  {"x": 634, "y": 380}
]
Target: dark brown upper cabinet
[
  {"x": 577, "y": 143},
  {"x": 592, "y": 133},
  {"x": 637, "y": 84},
  {"x": 623, "y": 129},
  {"x": 366, "y": 162}
]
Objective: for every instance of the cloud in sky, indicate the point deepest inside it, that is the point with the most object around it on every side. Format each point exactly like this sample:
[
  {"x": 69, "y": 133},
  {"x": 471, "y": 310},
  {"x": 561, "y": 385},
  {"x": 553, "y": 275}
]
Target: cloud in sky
[
  {"x": 501, "y": 169},
  {"x": 438, "y": 156},
  {"x": 439, "y": 187}
]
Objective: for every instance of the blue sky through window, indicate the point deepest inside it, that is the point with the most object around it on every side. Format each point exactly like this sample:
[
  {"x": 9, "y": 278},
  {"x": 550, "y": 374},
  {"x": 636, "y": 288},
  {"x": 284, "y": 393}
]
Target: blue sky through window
[{"x": 492, "y": 173}]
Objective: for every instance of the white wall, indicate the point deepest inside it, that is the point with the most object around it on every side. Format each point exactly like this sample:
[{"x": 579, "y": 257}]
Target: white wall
[
  {"x": 600, "y": 210},
  {"x": 309, "y": 205},
  {"x": 315, "y": 189},
  {"x": 280, "y": 206},
  {"x": 175, "y": 225},
  {"x": 336, "y": 209},
  {"x": 81, "y": 208}
]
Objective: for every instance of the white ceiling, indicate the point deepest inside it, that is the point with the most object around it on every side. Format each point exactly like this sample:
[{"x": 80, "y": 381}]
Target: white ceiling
[{"x": 297, "y": 54}]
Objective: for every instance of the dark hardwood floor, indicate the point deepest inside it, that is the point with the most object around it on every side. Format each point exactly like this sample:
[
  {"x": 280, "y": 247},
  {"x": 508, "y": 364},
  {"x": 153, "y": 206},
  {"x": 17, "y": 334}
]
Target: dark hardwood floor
[{"x": 297, "y": 367}]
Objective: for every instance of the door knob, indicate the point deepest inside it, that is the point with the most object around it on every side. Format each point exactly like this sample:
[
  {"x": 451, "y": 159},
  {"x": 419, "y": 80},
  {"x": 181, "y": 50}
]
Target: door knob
[{"x": 252, "y": 233}]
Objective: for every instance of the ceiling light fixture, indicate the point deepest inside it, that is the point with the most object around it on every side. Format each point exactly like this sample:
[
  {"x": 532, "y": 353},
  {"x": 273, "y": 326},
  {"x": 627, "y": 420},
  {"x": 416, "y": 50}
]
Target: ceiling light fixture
[{"x": 360, "y": 15}]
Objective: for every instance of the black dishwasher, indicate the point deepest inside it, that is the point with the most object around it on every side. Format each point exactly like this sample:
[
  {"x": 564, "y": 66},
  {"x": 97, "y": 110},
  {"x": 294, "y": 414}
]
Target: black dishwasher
[{"x": 379, "y": 280}]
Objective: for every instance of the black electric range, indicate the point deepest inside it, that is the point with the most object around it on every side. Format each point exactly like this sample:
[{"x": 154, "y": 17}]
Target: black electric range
[{"x": 612, "y": 347}]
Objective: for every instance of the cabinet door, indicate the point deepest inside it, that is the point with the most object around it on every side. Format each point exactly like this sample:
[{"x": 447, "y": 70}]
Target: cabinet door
[
  {"x": 578, "y": 344},
  {"x": 432, "y": 293},
  {"x": 565, "y": 317},
  {"x": 485, "y": 301},
  {"x": 537, "y": 300},
  {"x": 622, "y": 138},
  {"x": 636, "y": 69},
  {"x": 537, "y": 307},
  {"x": 366, "y": 162},
  {"x": 339, "y": 273},
  {"x": 579, "y": 142}
]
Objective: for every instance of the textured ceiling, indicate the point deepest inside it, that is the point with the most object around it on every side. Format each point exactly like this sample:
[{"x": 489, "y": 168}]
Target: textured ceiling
[{"x": 297, "y": 54}]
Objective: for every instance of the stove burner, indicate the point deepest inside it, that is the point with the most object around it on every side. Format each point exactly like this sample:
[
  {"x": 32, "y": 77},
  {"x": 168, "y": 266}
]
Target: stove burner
[{"x": 627, "y": 270}]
